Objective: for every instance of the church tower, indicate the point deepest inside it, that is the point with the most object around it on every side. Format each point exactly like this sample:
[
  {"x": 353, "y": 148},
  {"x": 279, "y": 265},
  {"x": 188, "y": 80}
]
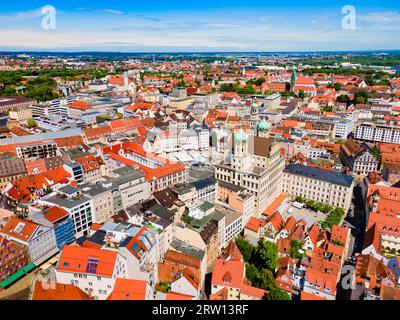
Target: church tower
[
  {"x": 241, "y": 158},
  {"x": 293, "y": 79},
  {"x": 263, "y": 128}
]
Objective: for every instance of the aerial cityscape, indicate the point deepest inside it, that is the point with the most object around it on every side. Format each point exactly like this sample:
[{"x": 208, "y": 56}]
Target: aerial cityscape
[{"x": 194, "y": 160}]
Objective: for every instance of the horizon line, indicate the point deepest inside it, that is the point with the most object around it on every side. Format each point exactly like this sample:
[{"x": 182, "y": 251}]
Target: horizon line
[{"x": 198, "y": 52}]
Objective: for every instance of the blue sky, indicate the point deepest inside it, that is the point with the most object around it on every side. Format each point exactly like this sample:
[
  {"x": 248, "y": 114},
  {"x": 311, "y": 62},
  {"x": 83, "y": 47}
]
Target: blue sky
[{"x": 219, "y": 25}]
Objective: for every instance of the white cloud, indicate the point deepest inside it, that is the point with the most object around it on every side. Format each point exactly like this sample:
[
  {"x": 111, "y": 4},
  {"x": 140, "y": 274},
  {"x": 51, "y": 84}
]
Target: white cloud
[
  {"x": 262, "y": 33},
  {"x": 387, "y": 17},
  {"x": 20, "y": 16},
  {"x": 112, "y": 11}
]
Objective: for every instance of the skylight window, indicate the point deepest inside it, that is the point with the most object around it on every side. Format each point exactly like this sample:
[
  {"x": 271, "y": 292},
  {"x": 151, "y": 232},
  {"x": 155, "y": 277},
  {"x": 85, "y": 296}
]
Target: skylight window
[
  {"x": 19, "y": 227},
  {"x": 91, "y": 266}
]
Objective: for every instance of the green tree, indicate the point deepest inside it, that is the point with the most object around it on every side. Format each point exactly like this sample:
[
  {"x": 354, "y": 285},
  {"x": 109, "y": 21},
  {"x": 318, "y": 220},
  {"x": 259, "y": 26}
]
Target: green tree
[
  {"x": 246, "y": 90},
  {"x": 301, "y": 94},
  {"x": 360, "y": 97},
  {"x": 227, "y": 87},
  {"x": 253, "y": 274},
  {"x": 337, "y": 86},
  {"x": 245, "y": 247},
  {"x": 266, "y": 255},
  {"x": 295, "y": 246},
  {"x": 32, "y": 123},
  {"x": 277, "y": 294},
  {"x": 342, "y": 98},
  {"x": 8, "y": 91},
  {"x": 42, "y": 93},
  {"x": 266, "y": 280},
  {"x": 375, "y": 152}
]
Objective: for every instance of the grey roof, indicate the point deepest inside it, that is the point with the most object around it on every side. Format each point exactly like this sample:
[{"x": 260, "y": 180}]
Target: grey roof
[
  {"x": 68, "y": 203},
  {"x": 135, "y": 175},
  {"x": 68, "y": 189},
  {"x": 161, "y": 212},
  {"x": 182, "y": 188},
  {"x": 320, "y": 174},
  {"x": 230, "y": 186},
  {"x": 93, "y": 190},
  {"x": 187, "y": 249},
  {"x": 97, "y": 237},
  {"x": 124, "y": 170}
]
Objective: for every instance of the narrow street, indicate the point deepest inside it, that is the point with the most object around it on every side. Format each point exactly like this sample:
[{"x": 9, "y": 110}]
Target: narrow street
[{"x": 356, "y": 221}]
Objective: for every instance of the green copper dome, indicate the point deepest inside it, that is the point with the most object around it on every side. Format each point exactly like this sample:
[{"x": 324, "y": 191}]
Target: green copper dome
[
  {"x": 241, "y": 136},
  {"x": 264, "y": 125}
]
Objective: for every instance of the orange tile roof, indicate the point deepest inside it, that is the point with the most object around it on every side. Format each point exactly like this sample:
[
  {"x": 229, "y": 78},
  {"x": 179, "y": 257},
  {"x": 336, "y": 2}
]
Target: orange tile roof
[
  {"x": 81, "y": 105},
  {"x": 220, "y": 295},
  {"x": 389, "y": 200},
  {"x": 141, "y": 105},
  {"x": 228, "y": 273},
  {"x": 275, "y": 204},
  {"x": 177, "y": 296},
  {"x": 276, "y": 220},
  {"x": 55, "y": 213},
  {"x": 24, "y": 233},
  {"x": 8, "y": 148},
  {"x": 313, "y": 233},
  {"x": 123, "y": 125},
  {"x": 252, "y": 291},
  {"x": 309, "y": 296},
  {"x": 325, "y": 281},
  {"x": 340, "y": 233},
  {"x": 89, "y": 163},
  {"x": 18, "y": 131},
  {"x": 60, "y": 292},
  {"x": 288, "y": 123},
  {"x": 35, "y": 166},
  {"x": 127, "y": 289},
  {"x": 116, "y": 80},
  {"x": 97, "y": 132},
  {"x": 254, "y": 224},
  {"x": 22, "y": 188},
  {"x": 165, "y": 171},
  {"x": 75, "y": 259},
  {"x": 69, "y": 142}
]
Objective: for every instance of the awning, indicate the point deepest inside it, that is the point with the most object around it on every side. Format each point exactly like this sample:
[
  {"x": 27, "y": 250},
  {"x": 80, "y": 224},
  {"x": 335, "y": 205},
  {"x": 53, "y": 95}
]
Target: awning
[
  {"x": 29, "y": 268},
  {"x": 11, "y": 279}
]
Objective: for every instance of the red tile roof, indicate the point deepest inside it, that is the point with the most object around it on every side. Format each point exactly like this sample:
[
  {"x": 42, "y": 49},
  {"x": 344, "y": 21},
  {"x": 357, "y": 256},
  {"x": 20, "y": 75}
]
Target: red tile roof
[
  {"x": 43, "y": 291},
  {"x": 177, "y": 296},
  {"x": 81, "y": 105},
  {"x": 309, "y": 296},
  {"x": 228, "y": 273},
  {"x": 127, "y": 289},
  {"x": 254, "y": 224},
  {"x": 22, "y": 188},
  {"x": 69, "y": 142},
  {"x": 24, "y": 233},
  {"x": 54, "y": 214},
  {"x": 275, "y": 204},
  {"x": 97, "y": 132},
  {"x": 75, "y": 260}
]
